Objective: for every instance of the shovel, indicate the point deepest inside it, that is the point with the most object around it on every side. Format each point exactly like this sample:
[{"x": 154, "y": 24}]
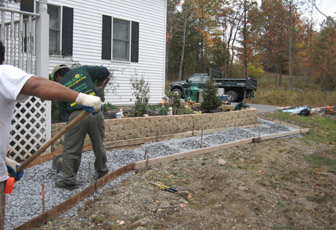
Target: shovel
[{"x": 81, "y": 116}]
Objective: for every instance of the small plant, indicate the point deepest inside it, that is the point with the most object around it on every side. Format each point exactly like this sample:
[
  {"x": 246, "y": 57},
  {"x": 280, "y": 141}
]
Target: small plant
[
  {"x": 187, "y": 110},
  {"x": 210, "y": 99},
  {"x": 108, "y": 107},
  {"x": 141, "y": 89},
  {"x": 174, "y": 99},
  {"x": 164, "y": 109}
]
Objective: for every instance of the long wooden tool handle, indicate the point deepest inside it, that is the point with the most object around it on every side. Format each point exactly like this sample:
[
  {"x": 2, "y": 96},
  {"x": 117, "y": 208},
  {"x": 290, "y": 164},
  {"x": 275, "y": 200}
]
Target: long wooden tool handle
[
  {"x": 104, "y": 85},
  {"x": 105, "y": 82},
  {"x": 82, "y": 115}
]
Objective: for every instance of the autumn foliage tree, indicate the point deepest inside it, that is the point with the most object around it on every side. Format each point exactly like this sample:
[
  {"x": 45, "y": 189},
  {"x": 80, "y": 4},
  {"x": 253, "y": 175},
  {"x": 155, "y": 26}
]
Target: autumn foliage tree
[
  {"x": 324, "y": 56},
  {"x": 238, "y": 35}
]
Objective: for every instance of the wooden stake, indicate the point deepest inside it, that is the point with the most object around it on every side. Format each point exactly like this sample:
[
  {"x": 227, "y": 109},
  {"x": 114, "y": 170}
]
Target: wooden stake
[
  {"x": 42, "y": 196},
  {"x": 202, "y": 139},
  {"x": 157, "y": 135},
  {"x": 90, "y": 173},
  {"x": 2, "y": 205},
  {"x": 96, "y": 185},
  {"x": 146, "y": 157}
]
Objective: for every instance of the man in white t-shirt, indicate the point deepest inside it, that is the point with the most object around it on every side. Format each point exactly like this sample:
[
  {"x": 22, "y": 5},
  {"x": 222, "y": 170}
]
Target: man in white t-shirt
[{"x": 16, "y": 86}]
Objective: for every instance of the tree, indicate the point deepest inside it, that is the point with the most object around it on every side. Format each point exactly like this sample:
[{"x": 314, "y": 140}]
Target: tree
[
  {"x": 184, "y": 38},
  {"x": 272, "y": 37},
  {"x": 324, "y": 56},
  {"x": 172, "y": 27},
  {"x": 247, "y": 34},
  {"x": 228, "y": 17},
  {"x": 210, "y": 99}
]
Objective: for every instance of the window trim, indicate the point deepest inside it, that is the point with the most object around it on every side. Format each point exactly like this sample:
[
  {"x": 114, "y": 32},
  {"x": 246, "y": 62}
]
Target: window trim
[
  {"x": 60, "y": 18},
  {"x": 130, "y": 41},
  {"x": 60, "y": 53}
]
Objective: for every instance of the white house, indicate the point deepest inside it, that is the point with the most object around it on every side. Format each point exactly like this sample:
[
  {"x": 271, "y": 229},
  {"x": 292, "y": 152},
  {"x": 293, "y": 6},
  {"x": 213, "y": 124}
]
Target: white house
[{"x": 126, "y": 36}]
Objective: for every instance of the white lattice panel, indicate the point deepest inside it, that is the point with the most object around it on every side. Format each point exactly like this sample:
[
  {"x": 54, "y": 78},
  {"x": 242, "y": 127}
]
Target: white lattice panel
[
  {"x": 31, "y": 124},
  {"x": 30, "y": 127}
]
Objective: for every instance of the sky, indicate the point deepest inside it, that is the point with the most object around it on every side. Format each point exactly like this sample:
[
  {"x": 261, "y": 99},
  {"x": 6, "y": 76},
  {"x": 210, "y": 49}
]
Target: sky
[{"x": 328, "y": 7}]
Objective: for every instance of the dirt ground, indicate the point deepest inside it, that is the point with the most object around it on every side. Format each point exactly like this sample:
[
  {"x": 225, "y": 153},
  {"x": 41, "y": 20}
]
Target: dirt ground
[{"x": 267, "y": 185}]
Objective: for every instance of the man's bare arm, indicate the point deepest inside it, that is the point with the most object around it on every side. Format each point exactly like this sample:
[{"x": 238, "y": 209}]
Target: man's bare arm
[{"x": 48, "y": 90}]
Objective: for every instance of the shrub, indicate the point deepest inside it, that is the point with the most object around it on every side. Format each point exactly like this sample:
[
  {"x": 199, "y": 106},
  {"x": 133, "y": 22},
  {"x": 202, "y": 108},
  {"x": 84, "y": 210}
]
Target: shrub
[
  {"x": 141, "y": 89},
  {"x": 210, "y": 99},
  {"x": 174, "y": 99},
  {"x": 254, "y": 71}
]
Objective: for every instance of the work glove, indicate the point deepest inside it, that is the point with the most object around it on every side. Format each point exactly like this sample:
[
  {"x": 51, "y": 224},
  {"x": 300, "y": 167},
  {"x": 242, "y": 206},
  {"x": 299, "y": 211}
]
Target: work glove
[
  {"x": 90, "y": 103},
  {"x": 17, "y": 176},
  {"x": 88, "y": 108},
  {"x": 12, "y": 165}
]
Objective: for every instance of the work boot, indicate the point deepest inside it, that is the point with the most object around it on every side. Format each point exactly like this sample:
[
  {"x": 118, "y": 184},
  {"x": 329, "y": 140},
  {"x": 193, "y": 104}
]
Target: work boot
[
  {"x": 101, "y": 174},
  {"x": 62, "y": 184}
]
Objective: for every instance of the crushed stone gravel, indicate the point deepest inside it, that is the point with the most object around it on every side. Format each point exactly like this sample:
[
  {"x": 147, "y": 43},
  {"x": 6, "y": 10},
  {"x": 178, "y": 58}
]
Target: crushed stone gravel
[{"x": 25, "y": 201}]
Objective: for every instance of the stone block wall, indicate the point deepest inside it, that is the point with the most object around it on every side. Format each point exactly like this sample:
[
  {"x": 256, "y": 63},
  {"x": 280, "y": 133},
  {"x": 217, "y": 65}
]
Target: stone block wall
[{"x": 141, "y": 127}]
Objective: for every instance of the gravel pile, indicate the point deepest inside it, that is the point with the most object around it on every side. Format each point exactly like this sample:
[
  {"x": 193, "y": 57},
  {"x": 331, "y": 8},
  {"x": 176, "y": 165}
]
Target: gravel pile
[{"x": 25, "y": 202}]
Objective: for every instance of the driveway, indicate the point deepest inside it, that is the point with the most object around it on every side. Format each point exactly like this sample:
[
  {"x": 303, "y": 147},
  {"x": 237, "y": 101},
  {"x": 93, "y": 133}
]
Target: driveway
[{"x": 264, "y": 108}]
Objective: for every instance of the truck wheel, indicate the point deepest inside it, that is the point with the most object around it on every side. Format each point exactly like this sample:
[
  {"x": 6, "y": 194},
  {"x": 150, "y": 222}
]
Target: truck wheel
[
  {"x": 232, "y": 96},
  {"x": 177, "y": 91}
]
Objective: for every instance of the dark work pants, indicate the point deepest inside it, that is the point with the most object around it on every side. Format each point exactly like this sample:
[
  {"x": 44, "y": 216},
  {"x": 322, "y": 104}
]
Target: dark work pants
[
  {"x": 93, "y": 125},
  {"x": 2, "y": 204}
]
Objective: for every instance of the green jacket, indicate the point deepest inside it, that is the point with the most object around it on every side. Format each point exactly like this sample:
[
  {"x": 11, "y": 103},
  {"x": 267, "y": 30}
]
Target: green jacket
[{"x": 82, "y": 79}]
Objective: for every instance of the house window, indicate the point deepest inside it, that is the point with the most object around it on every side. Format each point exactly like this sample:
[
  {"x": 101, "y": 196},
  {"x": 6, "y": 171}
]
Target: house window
[
  {"x": 120, "y": 39},
  {"x": 60, "y": 26},
  {"x": 54, "y": 29},
  {"x": 28, "y": 5},
  {"x": 60, "y": 30}
]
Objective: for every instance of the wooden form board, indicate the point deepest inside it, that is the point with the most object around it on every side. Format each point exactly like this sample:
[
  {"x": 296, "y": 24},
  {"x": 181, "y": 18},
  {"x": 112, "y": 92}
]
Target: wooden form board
[
  {"x": 63, "y": 207},
  {"x": 165, "y": 159},
  {"x": 72, "y": 201},
  {"x": 134, "y": 142}
]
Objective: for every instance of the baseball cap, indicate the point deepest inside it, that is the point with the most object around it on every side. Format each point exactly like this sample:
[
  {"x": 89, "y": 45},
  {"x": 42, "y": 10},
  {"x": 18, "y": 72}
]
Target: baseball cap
[{"x": 58, "y": 67}]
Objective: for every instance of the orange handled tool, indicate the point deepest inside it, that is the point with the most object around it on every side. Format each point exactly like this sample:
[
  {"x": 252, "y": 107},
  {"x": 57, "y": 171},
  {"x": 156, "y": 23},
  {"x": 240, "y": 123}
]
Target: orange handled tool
[{"x": 9, "y": 185}]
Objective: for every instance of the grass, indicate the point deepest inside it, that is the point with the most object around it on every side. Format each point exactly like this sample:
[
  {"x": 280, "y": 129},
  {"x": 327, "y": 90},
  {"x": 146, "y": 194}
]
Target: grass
[
  {"x": 318, "y": 161},
  {"x": 268, "y": 93},
  {"x": 321, "y": 130}
]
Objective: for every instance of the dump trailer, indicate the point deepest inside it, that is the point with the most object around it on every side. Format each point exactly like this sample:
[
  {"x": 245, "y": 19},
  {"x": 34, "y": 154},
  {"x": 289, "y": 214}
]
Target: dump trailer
[{"x": 236, "y": 88}]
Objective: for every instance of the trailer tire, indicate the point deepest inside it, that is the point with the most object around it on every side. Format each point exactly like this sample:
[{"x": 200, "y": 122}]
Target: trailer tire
[{"x": 232, "y": 96}]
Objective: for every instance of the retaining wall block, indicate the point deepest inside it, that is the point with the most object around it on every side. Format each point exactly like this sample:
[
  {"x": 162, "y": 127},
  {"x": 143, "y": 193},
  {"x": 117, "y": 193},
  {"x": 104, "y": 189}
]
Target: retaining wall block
[{"x": 140, "y": 127}]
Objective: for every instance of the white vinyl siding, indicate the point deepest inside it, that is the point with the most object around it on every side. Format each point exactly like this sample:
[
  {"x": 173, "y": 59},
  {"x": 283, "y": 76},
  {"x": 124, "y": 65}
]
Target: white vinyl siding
[{"x": 87, "y": 43}]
